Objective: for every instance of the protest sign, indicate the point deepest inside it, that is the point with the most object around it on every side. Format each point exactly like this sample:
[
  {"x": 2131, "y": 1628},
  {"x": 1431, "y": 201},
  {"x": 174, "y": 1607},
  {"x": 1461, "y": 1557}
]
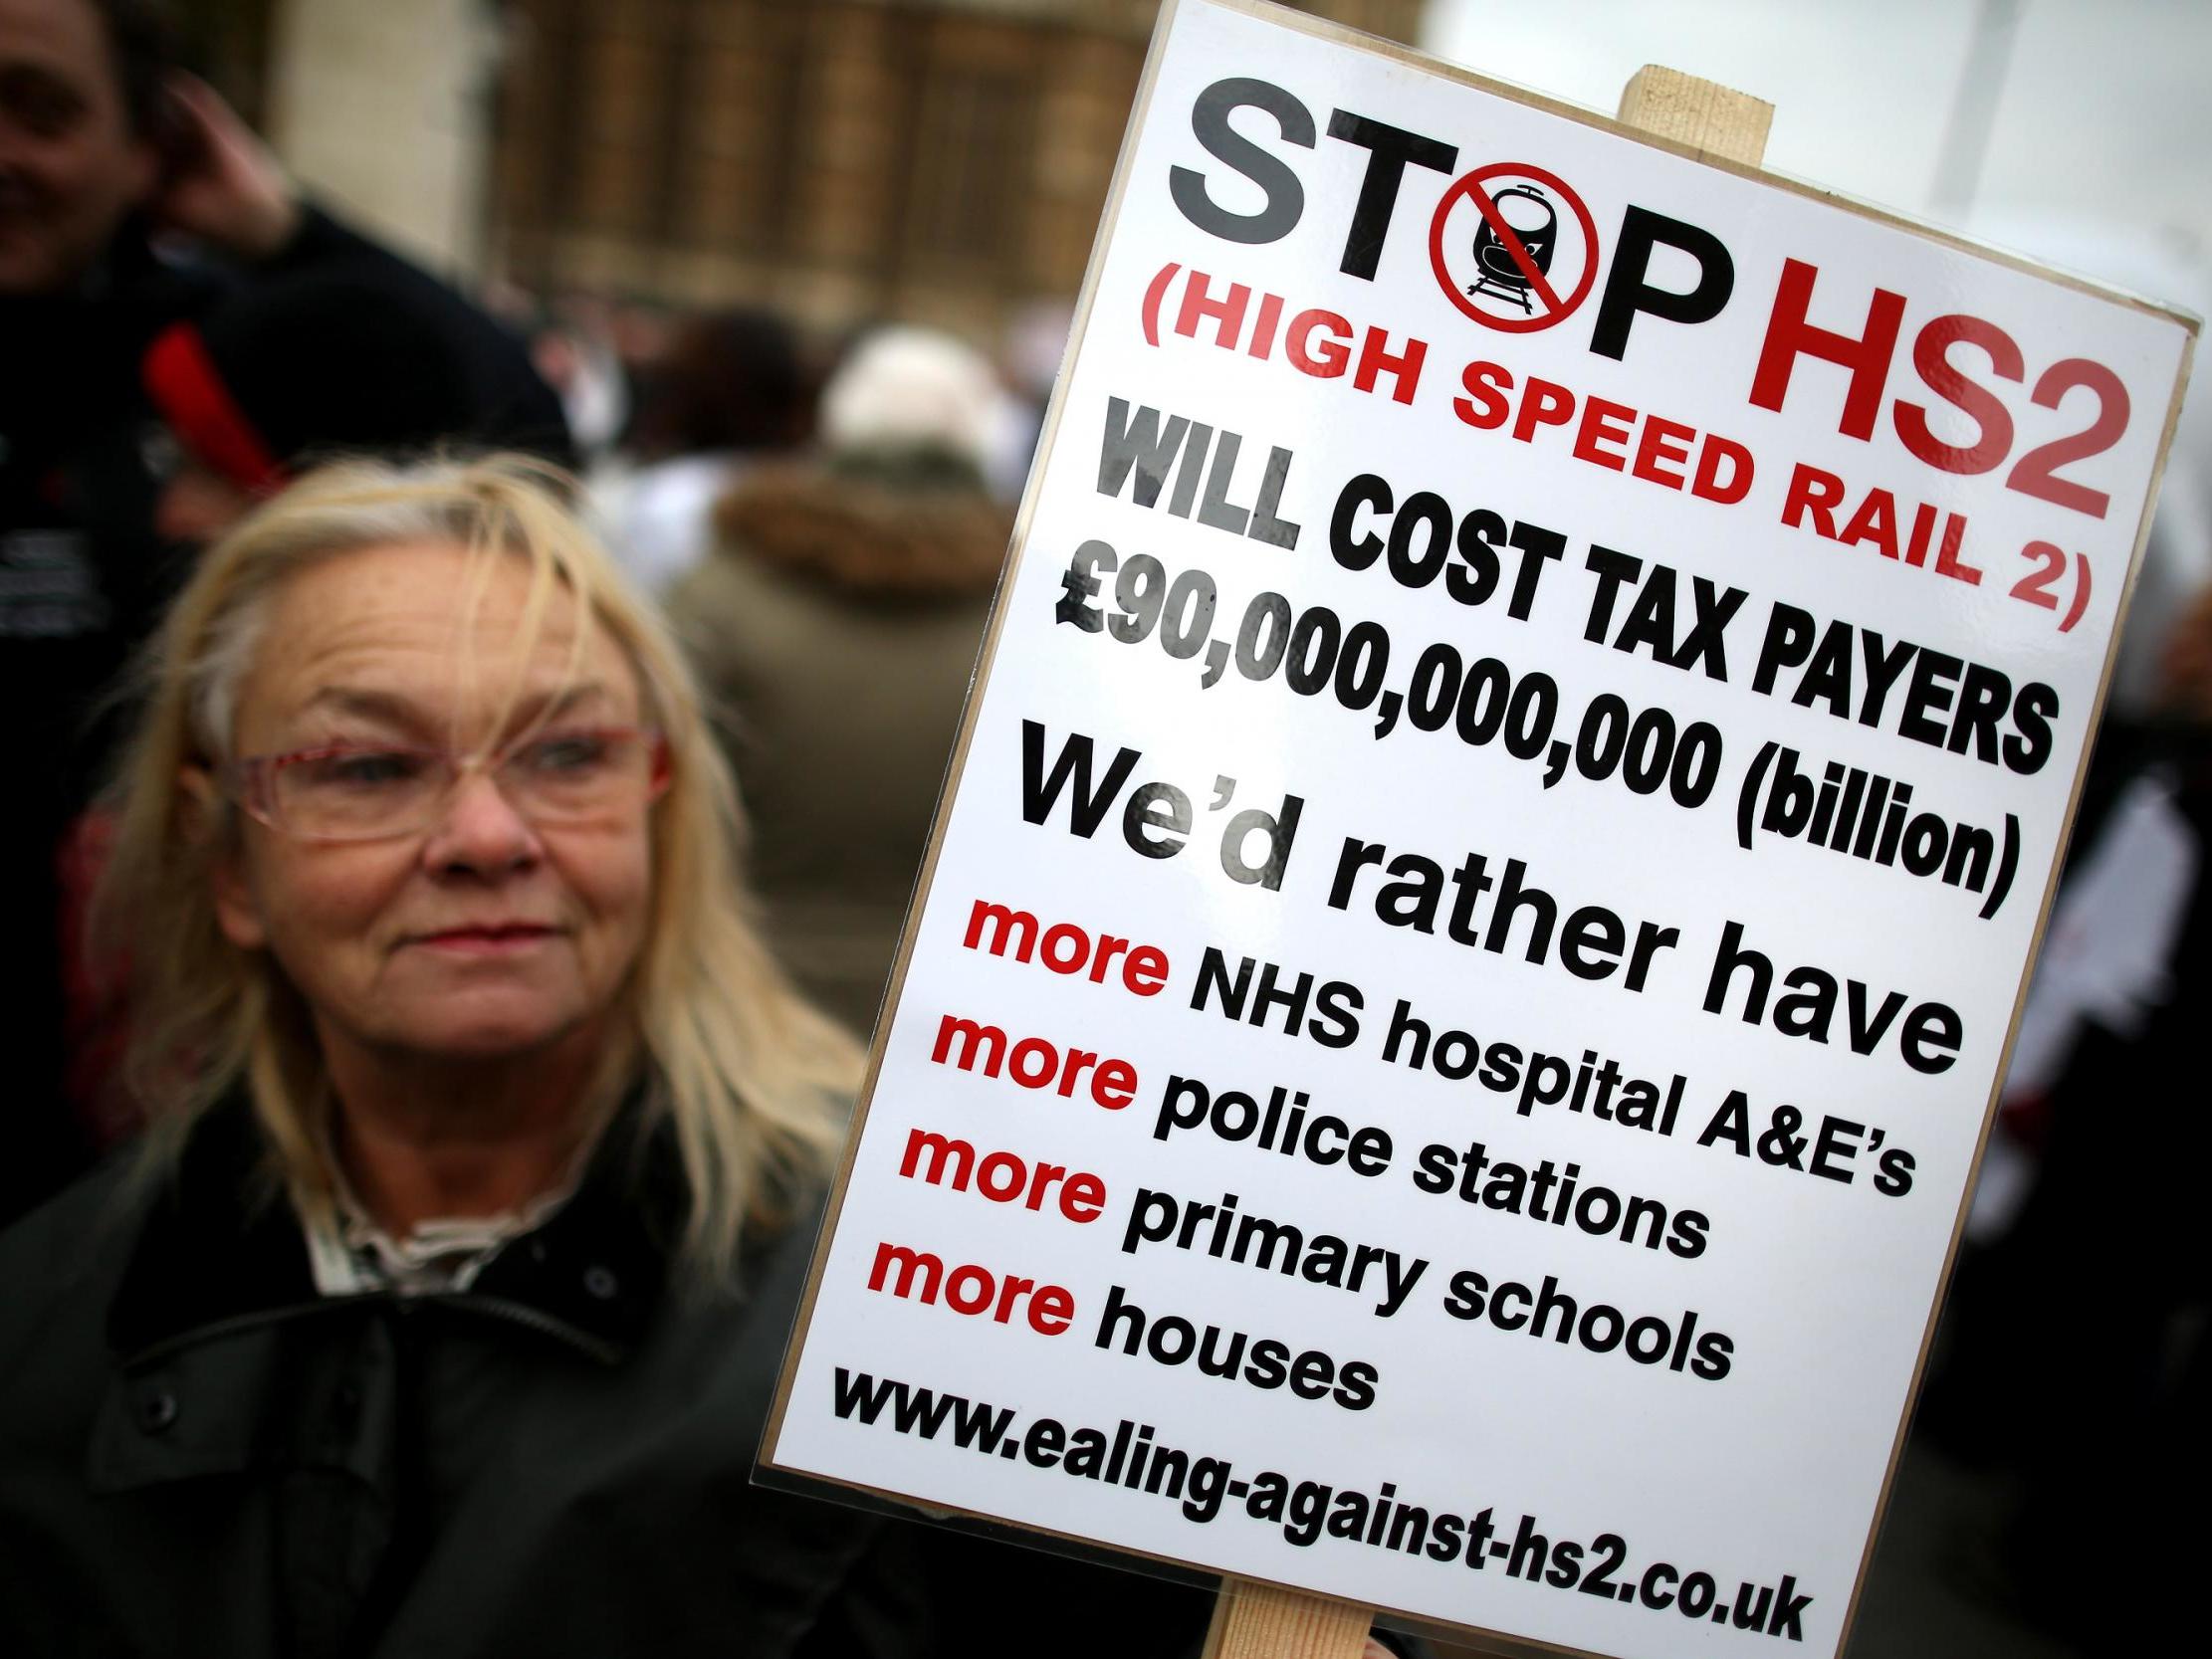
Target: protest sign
[{"x": 1520, "y": 762}]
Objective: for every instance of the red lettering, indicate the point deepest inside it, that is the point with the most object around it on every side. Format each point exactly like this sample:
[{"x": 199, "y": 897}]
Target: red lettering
[
  {"x": 1607, "y": 433},
  {"x": 1227, "y": 312},
  {"x": 1083, "y": 1197},
  {"x": 1115, "y": 1086},
  {"x": 1147, "y": 971},
  {"x": 967, "y": 1289},
  {"x": 1709, "y": 485},
  {"x": 1065, "y": 947},
  {"x": 1403, "y": 368},
  {"x": 970, "y": 1289},
  {"x": 1815, "y": 493},
  {"x": 1950, "y": 562},
  {"x": 1004, "y": 1178},
  {"x": 1543, "y": 404},
  {"x": 1993, "y": 426},
  {"x": 1604, "y": 422},
  {"x": 1484, "y": 407},
  {"x": 1666, "y": 442},
  {"x": 1336, "y": 351},
  {"x": 1790, "y": 335},
  {"x": 1875, "y": 521},
  {"x": 1035, "y": 1061},
  {"x": 1051, "y": 1311},
  {"x": 1032, "y": 1061},
  {"x": 1000, "y": 1177}
]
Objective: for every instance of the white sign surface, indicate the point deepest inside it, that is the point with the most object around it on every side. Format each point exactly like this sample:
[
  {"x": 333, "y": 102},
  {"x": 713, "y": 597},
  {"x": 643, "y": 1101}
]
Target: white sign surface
[{"x": 1519, "y": 769}]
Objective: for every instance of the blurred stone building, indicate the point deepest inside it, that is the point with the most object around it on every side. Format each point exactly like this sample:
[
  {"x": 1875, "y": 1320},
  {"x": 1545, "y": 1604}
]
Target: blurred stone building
[{"x": 940, "y": 160}]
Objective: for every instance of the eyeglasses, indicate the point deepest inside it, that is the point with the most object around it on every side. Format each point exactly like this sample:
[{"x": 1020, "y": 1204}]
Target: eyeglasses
[{"x": 371, "y": 791}]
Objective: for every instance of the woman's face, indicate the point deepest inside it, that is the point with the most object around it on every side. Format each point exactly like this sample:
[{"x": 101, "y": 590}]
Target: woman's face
[{"x": 485, "y": 935}]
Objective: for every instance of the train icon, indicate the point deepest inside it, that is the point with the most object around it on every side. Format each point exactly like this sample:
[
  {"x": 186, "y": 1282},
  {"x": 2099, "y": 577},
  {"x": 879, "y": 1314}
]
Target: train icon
[
  {"x": 1513, "y": 247},
  {"x": 1523, "y": 210}
]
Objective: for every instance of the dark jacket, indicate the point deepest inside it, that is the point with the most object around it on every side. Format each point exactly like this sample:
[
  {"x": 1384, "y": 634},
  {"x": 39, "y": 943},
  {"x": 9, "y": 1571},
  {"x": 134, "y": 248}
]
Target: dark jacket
[
  {"x": 198, "y": 1454},
  {"x": 81, "y": 578},
  {"x": 337, "y": 347}
]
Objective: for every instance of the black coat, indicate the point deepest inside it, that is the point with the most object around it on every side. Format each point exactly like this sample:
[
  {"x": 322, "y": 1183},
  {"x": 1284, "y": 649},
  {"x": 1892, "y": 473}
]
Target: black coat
[
  {"x": 199, "y": 1454},
  {"x": 82, "y": 579}
]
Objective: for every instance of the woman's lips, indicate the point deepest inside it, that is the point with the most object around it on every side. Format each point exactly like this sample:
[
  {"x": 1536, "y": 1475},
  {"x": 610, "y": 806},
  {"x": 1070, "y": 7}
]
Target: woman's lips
[{"x": 504, "y": 939}]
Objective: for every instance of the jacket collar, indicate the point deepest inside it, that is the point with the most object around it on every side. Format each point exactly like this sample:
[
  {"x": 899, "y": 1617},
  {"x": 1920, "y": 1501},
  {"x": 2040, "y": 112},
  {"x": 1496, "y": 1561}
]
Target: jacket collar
[{"x": 220, "y": 1246}]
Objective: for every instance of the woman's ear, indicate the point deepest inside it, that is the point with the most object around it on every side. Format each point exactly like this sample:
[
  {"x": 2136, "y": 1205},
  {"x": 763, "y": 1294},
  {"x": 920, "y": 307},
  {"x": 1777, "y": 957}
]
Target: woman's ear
[{"x": 200, "y": 808}]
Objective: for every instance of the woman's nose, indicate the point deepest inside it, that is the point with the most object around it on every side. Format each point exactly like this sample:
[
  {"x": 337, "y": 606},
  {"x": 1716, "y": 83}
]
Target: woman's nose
[{"x": 480, "y": 830}]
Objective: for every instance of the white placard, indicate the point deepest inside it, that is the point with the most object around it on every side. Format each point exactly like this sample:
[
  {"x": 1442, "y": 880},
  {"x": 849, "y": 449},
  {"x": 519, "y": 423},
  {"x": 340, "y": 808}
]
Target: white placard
[{"x": 1518, "y": 770}]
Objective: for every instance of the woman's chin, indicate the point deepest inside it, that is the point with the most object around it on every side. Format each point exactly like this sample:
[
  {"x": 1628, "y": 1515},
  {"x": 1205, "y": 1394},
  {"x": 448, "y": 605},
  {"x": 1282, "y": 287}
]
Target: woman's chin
[{"x": 477, "y": 1030}]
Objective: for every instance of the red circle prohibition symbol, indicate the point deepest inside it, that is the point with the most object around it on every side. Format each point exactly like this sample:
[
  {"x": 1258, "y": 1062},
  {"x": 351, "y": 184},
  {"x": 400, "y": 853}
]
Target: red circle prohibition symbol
[{"x": 1555, "y": 308}]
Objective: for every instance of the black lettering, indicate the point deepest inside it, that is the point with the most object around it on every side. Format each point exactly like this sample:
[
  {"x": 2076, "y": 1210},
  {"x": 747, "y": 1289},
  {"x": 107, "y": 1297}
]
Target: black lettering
[
  {"x": 1287, "y": 197},
  {"x": 1388, "y": 149},
  {"x": 1627, "y": 293}
]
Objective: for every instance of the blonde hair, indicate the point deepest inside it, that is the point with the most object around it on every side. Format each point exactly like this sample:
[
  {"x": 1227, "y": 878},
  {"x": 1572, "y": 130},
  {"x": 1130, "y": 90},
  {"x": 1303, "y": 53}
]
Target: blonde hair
[{"x": 750, "y": 1079}]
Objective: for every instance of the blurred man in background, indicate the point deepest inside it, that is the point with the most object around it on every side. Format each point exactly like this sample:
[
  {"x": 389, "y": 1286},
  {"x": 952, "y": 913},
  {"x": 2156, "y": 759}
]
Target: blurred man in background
[
  {"x": 109, "y": 156},
  {"x": 837, "y": 619},
  {"x": 91, "y": 140}
]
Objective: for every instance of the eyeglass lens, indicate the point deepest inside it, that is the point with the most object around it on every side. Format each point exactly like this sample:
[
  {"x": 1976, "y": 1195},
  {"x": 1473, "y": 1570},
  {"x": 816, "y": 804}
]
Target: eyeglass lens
[{"x": 352, "y": 792}]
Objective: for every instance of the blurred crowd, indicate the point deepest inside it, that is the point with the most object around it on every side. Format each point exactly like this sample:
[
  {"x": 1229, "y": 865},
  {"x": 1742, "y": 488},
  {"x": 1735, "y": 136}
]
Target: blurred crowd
[
  {"x": 823, "y": 522},
  {"x": 817, "y": 525},
  {"x": 822, "y": 518},
  {"x": 473, "y": 754}
]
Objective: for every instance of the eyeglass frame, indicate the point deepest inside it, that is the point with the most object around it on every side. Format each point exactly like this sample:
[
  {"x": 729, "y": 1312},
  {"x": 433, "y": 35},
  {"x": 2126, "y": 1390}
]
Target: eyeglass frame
[{"x": 247, "y": 781}]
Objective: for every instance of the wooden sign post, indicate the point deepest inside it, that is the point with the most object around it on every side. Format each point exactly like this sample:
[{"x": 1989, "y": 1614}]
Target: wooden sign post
[
  {"x": 1464, "y": 968},
  {"x": 1261, "y": 1621}
]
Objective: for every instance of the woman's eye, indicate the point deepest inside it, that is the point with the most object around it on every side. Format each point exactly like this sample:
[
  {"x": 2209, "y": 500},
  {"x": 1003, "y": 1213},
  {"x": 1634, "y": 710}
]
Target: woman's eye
[
  {"x": 362, "y": 769},
  {"x": 562, "y": 752}
]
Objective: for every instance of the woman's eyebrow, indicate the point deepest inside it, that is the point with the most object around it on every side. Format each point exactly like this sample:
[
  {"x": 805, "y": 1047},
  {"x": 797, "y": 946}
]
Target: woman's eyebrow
[
  {"x": 397, "y": 705},
  {"x": 550, "y": 705},
  {"x": 399, "y": 713},
  {"x": 384, "y": 706}
]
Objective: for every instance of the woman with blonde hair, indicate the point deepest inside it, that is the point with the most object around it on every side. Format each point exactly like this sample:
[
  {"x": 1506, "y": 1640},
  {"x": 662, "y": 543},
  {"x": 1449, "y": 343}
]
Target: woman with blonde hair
[{"x": 442, "y": 1309}]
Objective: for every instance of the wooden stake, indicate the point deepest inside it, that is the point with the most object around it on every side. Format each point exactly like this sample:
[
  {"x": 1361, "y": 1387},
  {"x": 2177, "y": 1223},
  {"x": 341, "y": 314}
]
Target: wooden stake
[
  {"x": 1261, "y": 1621},
  {"x": 1713, "y": 119}
]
